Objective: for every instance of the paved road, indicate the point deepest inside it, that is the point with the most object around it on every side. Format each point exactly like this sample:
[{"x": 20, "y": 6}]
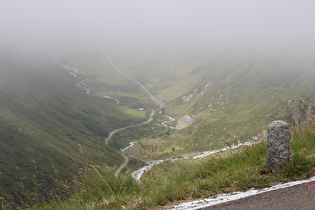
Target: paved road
[
  {"x": 157, "y": 102},
  {"x": 296, "y": 197},
  {"x": 122, "y": 165},
  {"x": 131, "y": 126}
]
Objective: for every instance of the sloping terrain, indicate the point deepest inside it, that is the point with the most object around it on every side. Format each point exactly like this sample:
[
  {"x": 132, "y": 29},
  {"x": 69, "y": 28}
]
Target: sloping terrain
[
  {"x": 230, "y": 98},
  {"x": 44, "y": 114}
]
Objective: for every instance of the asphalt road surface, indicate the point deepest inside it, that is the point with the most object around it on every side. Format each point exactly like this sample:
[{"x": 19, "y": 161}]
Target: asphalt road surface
[
  {"x": 122, "y": 165},
  {"x": 297, "y": 197}
]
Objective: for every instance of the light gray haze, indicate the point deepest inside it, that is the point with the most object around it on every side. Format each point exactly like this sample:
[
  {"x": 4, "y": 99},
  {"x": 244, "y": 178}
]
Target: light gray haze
[{"x": 216, "y": 24}]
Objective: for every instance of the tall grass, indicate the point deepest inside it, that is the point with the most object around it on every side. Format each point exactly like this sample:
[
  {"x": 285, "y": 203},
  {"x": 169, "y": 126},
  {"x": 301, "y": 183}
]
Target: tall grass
[
  {"x": 230, "y": 172},
  {"x": 225, "y": 172},
  {"x": 97, "y": 187}
]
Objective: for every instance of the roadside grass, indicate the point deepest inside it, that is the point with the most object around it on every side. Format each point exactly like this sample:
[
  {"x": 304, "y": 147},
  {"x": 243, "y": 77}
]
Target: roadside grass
[
  {"x": 96, "y": 187},
  {"x": 303, "y": 145},
  {"x": 230, "y": 171},
  {"x": 220, "y": 173}
]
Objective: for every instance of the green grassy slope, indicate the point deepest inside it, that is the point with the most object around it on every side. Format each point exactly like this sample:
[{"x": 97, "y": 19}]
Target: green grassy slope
[
  {"x": 232, "y": 98},
  {"x": 43, "y": 113},
  {"x": 105, "y": 79},
  {"x": 168, "y": 184}
]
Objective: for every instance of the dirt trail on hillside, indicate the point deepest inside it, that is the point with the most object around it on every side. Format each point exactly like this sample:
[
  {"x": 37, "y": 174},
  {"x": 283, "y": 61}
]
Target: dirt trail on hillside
[
  {"x": 120, "y": 129},
  {"x": 131, "y": 126},
  {"x": 157, "y": 102},
  {"x": 126, "y": 160}
]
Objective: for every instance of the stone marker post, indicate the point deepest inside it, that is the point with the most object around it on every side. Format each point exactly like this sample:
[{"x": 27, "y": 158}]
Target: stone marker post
[{"x": 279, "y": 149}]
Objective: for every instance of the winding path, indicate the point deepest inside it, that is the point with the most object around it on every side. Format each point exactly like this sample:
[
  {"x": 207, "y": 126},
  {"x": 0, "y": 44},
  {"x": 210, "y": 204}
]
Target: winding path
[
  {"x": 131, "y": 126},
  {"x": 126, "y": 159},
  {"x": 138, "y": 83},
  {"x": 87, "y": 89},
  {"x": 120, "y": 129}
]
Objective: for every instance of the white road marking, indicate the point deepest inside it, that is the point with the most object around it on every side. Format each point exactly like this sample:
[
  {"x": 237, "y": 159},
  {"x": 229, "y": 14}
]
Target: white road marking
[{"x": 223, "y": 198}]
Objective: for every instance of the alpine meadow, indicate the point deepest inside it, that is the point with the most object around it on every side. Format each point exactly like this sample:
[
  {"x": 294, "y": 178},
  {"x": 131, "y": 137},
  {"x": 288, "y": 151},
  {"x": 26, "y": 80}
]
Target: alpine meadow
[{"x": 149, "y": 104}]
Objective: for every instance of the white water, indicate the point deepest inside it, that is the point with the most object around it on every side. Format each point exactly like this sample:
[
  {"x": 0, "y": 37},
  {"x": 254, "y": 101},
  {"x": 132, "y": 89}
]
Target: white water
[
  {"x": 165, "y": 123},
  {"x": 131, "y": 144},
  {"x": 116, "y": 100},
  {"x": 87, "y": 88},
  {"x": 138, "y": 173},
  {"x": 83, "y": 85}
]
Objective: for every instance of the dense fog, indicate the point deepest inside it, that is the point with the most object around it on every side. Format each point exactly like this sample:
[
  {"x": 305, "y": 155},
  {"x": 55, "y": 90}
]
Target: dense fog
[{"x": 240, "y": 25}]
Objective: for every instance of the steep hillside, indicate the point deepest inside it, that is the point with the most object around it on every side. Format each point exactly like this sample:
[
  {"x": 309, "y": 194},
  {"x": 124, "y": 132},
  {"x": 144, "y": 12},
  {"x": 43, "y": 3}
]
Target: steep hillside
[
  {"x": 230, "y": 98},
  {"x": 44, "y": 114}
]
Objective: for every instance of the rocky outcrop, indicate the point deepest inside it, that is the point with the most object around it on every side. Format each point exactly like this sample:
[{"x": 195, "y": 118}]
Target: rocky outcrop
[{"x": 184, "y": 121}]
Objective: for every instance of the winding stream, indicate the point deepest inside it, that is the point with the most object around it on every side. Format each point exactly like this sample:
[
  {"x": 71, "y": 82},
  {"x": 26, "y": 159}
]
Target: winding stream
[
  {"x": 138, "y": 173},
  {"x": 168, "y": 121},
  {"x": 82, "y": 84}
]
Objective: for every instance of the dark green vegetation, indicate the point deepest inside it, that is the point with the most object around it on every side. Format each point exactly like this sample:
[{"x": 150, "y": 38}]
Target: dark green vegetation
[{"x": 44, "y": 114}]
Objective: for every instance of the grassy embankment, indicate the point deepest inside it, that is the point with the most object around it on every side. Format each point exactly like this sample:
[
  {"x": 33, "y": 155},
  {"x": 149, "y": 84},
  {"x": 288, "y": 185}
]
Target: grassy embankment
[
  {"x": 97, "y": 188},
  {"x": 237, "y": 102}
]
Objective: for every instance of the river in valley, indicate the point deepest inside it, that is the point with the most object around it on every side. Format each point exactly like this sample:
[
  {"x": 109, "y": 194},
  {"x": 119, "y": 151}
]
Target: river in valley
[{"x": 138, "y": 173}]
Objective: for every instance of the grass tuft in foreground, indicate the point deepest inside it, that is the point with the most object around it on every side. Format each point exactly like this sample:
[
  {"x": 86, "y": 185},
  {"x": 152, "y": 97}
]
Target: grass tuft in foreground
[{"x": 96, "y": 187}]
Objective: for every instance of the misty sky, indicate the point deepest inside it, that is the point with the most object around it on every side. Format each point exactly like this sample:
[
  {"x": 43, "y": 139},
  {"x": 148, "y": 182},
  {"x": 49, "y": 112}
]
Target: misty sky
[{"x": 247, "y": 24}]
